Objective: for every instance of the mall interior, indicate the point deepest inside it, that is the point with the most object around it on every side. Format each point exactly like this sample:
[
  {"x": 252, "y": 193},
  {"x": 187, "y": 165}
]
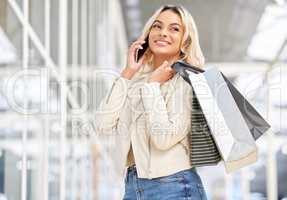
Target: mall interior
[{"x": 58, "y": 59}]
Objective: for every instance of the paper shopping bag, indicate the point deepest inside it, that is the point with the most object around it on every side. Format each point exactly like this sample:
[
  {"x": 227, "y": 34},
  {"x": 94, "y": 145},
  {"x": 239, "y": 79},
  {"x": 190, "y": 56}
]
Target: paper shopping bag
[
  {"x": 256, "y": 123},
  {"x": 229, "y": 118}
]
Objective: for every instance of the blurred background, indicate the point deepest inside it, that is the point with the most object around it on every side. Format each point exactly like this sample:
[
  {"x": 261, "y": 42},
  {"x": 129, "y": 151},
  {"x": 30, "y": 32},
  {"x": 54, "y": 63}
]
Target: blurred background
[{"x": 58, "y": 59}]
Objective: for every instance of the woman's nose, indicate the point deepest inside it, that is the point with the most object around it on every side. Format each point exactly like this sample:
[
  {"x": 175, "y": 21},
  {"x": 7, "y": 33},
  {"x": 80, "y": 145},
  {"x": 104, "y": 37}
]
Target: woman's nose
[{"x": 163, "y": 32}]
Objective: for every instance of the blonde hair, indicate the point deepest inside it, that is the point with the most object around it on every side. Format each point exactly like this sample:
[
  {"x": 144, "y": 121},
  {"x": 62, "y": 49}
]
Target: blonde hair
[{"x": 190, "y": 48}]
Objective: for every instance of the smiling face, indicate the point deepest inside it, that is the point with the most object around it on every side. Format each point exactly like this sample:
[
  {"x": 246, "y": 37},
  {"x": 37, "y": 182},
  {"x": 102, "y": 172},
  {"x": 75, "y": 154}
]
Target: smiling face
[{"x": 166, "y": 35}]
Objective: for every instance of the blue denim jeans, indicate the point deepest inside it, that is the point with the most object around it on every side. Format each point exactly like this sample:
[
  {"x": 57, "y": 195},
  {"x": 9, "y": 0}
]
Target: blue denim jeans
[{"x": 183, "y": 185}]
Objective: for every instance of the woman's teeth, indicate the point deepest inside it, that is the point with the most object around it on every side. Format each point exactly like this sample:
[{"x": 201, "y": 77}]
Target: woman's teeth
[{"x": 161, "y": 42}]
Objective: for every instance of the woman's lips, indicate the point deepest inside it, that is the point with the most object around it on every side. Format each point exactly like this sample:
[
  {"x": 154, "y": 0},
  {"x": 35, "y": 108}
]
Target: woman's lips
[{"x": 161, "y": 43}]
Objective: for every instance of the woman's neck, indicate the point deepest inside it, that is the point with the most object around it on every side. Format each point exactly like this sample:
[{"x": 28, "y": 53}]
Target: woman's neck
[{"x": 157, "y": 61}]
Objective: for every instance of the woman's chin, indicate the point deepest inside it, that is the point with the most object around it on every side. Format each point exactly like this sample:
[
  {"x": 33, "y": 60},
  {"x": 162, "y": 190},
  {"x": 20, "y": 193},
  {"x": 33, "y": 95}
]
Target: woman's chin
[{"x": 164, "y": 54}]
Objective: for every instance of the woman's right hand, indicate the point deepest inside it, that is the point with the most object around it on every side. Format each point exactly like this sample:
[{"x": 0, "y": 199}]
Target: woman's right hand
[{"x": 133, "y": 66}]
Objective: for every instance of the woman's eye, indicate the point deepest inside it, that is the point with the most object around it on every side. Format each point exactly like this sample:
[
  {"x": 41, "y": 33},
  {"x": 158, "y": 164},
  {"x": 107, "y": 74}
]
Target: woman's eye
[
  {"x": 175, "y": 29},
  {"x": 156, "y": 26}
]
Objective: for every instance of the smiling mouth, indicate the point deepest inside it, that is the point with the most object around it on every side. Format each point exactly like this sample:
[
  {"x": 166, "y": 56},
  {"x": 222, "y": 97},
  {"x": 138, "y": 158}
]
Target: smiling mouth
[{"x": 161, "y": 43}]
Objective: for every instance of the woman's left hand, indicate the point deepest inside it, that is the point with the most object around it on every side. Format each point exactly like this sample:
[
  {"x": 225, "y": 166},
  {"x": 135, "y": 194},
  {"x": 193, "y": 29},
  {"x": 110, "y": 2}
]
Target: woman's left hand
[{"x": 162, "y": 74}]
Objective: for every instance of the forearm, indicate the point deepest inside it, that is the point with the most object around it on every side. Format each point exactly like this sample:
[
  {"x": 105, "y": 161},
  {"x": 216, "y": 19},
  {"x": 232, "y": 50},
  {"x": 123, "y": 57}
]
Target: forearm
[{"x": 108, "y": 112}]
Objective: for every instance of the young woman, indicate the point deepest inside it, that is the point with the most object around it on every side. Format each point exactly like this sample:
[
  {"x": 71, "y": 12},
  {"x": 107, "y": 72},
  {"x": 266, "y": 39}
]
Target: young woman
[{"x": 148, "y": 109}]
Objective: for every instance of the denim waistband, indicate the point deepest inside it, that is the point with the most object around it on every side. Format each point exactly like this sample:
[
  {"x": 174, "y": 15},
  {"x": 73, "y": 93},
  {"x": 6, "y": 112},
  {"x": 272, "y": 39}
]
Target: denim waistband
[{"x": 132, "y": 167}]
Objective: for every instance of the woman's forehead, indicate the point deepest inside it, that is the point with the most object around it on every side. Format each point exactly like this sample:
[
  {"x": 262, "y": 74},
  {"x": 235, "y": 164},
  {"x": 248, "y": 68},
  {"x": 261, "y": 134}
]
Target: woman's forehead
[{"x": 169, "y": 17}]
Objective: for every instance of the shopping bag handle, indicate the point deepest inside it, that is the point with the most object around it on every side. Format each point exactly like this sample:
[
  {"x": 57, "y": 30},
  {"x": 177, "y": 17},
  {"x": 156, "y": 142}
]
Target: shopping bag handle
[{"x": 181, "y": 67}]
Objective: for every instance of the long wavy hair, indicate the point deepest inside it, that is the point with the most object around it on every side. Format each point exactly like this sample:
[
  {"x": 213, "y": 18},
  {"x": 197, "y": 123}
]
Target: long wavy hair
[{"x": 190, "y": 48}]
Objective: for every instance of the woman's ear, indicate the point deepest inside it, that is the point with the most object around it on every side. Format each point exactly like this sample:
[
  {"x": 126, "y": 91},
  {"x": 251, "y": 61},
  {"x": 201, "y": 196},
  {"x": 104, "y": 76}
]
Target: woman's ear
[
  {"x": 187, "y": 42},
  {"x": 185, "y": 49},
  {"x": 182, "y": 55}
]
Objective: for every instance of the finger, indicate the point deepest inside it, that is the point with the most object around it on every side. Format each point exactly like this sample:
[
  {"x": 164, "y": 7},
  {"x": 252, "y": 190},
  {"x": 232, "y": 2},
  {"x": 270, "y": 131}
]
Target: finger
[
  {"x": 168, "y": 69},
  {"x": 141, "y": 39},
  {"x": 137, "y": 46},
  {"x": 138, "y": 42},
  {"x": 170, "y": 62},
  {"x": 164, "y": 64},
  {"x": 132, "y": 45},
  {"x": 134, "y": 49}
]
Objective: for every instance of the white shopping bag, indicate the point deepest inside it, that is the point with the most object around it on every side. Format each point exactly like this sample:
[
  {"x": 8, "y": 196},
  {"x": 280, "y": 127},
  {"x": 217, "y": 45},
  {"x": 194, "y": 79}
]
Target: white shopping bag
[{"x": 229, "y": 129}]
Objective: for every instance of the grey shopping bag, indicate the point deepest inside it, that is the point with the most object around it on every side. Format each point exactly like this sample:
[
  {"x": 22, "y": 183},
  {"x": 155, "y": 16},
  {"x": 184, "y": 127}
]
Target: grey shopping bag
[
  {"x": 237, "y": 150},
  {"x": 256, "y": 123}
]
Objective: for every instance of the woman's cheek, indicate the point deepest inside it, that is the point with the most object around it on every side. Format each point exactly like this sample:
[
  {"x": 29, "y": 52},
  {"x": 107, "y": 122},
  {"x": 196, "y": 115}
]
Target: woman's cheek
[{"x": 177, "y": 41}]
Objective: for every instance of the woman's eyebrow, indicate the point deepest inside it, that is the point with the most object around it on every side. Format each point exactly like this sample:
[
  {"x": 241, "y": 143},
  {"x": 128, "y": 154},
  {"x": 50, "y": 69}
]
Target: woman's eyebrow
[
  {"x": 172, "y": 24},
  {"x": 175, "y": 23},
  {"x": 157, "y": 21}
]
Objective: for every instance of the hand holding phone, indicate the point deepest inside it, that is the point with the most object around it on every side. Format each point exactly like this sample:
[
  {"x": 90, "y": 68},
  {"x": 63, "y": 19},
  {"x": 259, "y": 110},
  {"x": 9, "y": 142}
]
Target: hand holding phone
[
  {"x": 140, "y": 51},
  {"x": 134, "y": 59}
]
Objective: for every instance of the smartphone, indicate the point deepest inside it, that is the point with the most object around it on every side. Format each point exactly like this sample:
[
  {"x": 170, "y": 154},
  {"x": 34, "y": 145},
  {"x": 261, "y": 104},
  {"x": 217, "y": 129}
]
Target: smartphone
[{"x": 140, "y": 52}]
